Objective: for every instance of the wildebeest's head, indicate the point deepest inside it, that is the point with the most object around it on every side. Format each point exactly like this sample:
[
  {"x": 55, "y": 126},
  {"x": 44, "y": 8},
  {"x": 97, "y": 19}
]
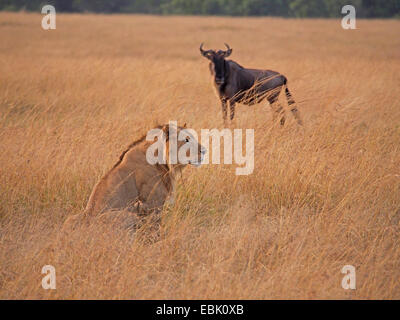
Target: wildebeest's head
[{"x": 217, "y": 65}]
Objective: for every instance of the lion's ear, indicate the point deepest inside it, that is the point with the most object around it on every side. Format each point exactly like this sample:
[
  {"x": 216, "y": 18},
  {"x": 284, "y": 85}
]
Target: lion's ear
[
  {"x": 165, "y": 129},
  {"x": 184, "y": 125}
]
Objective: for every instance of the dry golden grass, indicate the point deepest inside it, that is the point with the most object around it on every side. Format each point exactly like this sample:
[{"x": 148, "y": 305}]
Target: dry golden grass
[{"x": 320, "y": 197}]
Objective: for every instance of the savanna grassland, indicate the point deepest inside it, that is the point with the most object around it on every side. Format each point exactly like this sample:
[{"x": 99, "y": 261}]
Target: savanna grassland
[{"x": 321, "y": 196}]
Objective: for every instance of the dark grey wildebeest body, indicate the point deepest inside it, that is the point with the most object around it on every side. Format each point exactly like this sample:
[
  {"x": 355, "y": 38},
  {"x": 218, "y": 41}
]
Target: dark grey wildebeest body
[{"x": 235, "y": 84}]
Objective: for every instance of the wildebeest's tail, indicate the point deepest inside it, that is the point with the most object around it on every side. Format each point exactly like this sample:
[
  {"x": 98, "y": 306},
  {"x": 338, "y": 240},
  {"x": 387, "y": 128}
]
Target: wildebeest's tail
[{"x": 292, "y": 104}]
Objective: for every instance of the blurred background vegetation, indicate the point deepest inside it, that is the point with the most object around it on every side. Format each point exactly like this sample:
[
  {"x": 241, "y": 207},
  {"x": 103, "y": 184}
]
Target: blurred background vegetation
[{"x": 283, "y": 8}]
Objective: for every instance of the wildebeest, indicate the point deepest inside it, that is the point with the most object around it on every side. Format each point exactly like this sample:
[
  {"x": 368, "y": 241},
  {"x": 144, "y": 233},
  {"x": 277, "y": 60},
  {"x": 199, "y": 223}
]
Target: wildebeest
[{"x": 236, "y": 84}]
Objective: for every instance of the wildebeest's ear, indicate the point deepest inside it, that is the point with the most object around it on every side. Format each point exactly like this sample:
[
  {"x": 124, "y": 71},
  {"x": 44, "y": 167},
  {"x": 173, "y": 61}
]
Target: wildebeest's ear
[{"x": 206, "y": 53}]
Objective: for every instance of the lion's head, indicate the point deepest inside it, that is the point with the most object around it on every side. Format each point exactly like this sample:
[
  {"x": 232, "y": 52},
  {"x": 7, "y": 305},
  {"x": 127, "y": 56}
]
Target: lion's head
[{"x": 182, "y": 147}]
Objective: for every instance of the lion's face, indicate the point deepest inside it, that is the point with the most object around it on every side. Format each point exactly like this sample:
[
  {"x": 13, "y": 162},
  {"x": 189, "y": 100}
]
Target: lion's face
[
  {"x": 189, "y": 150},
  {"x": 194, "y": 152}
]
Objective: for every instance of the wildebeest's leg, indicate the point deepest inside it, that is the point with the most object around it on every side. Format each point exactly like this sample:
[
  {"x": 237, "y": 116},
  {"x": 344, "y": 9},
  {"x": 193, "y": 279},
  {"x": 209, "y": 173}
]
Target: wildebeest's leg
[
  {"x": 276, "y": 107},
  {"x": 232, "y": 109},
  {"x": 292, "y": 106},
  {"x": 278, "y": 112},
  {"x": 224, "y": 109}
]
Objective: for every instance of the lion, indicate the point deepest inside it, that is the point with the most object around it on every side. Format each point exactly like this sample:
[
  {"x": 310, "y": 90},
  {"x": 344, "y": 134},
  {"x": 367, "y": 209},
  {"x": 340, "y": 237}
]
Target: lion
[{"x": 134, "y": 185}]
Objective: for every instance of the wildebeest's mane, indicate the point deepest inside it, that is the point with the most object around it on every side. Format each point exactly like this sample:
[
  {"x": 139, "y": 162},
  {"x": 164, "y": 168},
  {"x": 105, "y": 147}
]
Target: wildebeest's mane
[{"x": 237, "y": 64}]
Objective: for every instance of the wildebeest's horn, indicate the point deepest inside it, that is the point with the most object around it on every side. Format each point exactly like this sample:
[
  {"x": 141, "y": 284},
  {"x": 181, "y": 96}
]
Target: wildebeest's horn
[
  {"x": 203, "y": 52},
  {"x": 228, "y": 52}
]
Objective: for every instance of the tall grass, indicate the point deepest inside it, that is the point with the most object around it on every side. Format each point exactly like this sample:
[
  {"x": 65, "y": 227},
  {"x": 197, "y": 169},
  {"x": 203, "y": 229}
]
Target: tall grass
[{"x": 320, "y": 197}]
